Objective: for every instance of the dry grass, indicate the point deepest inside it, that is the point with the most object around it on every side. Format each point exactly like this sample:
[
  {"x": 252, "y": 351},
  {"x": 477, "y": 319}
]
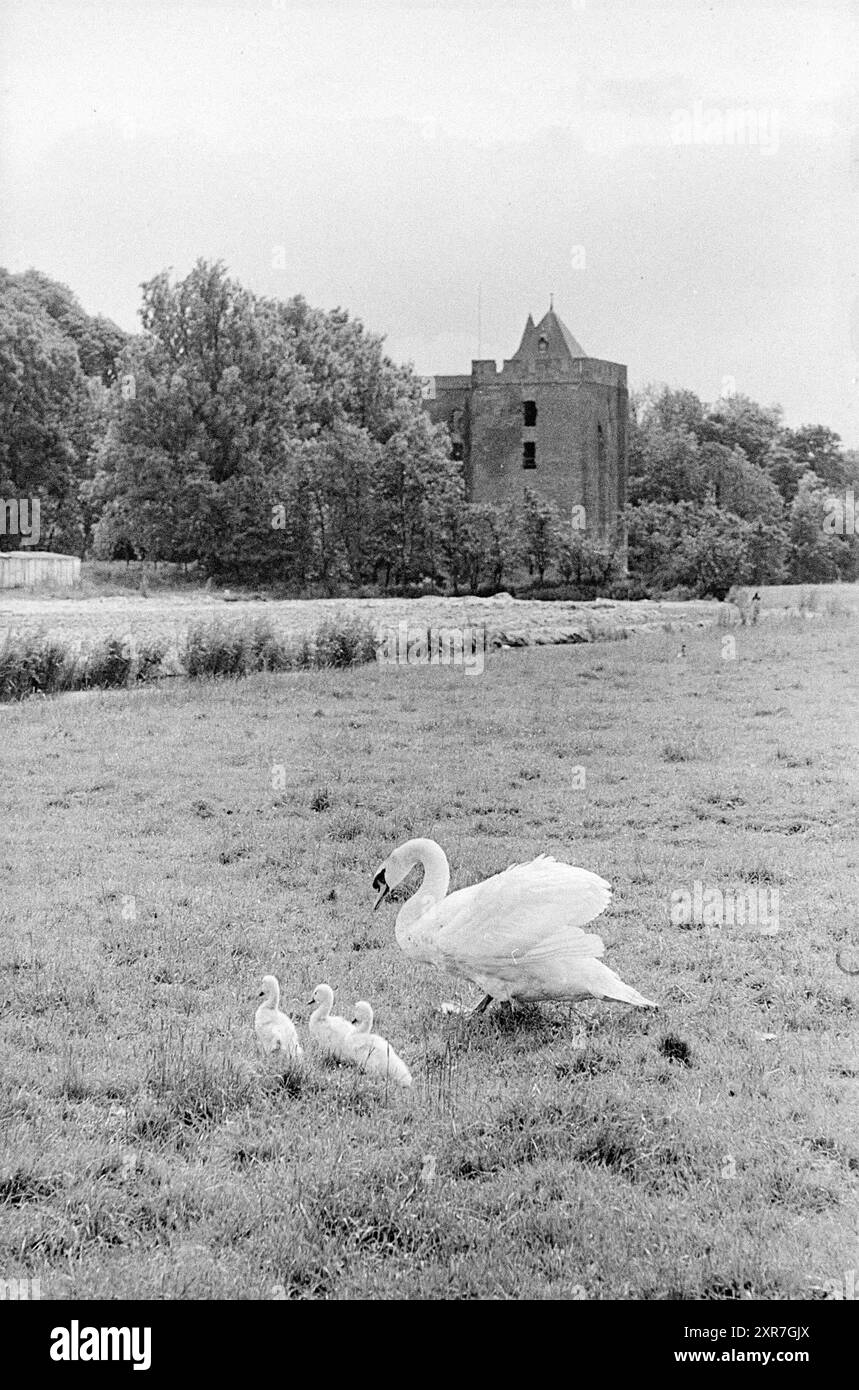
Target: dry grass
[{"x": 167, "y": 617}]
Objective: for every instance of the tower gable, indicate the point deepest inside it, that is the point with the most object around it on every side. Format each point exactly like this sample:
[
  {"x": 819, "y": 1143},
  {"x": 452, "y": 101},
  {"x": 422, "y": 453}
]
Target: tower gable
[{"x": 546, "y": 344}]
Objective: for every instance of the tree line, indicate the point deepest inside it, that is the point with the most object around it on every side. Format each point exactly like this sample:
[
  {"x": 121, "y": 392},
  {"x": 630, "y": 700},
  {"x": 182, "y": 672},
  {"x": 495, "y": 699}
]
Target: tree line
[{"x": 265, "y": 441}]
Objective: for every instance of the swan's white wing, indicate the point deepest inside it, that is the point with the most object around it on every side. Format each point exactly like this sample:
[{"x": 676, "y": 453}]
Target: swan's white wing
[
  {"x": 527, "y": 908},
  {"x": 519, "y": 935},
  {"x": 523, "y": 927}
]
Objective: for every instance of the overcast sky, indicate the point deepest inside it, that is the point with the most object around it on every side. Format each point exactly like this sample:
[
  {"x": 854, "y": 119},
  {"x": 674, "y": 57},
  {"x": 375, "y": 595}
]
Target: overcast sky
[{"x": 391, "y": 157}]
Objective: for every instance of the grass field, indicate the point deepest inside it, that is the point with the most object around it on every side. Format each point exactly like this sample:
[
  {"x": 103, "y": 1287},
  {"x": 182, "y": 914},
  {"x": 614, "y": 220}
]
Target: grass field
[{"x": 165, "y": 848}]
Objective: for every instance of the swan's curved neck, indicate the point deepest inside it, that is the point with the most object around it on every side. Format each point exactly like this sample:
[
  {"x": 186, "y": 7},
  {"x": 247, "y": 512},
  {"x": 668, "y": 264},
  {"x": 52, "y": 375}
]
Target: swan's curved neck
[
  {"x": 273, "y": 1000},
  {"x": 322, "y": 1010},
  {"x": 435, "y": 883}
]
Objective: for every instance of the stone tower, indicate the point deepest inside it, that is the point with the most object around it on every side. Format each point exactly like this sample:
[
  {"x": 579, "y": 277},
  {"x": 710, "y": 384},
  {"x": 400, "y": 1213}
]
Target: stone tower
[{"x": 552, "y": 419}]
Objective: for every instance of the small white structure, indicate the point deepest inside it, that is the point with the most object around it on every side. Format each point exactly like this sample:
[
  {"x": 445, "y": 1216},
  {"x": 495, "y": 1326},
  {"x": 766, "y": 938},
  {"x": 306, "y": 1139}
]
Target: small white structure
[{"x": 26, "y": 569}]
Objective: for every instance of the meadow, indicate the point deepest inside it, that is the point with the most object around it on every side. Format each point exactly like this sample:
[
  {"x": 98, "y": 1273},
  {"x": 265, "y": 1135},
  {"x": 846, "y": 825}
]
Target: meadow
[{"x": 165, "y": 847}]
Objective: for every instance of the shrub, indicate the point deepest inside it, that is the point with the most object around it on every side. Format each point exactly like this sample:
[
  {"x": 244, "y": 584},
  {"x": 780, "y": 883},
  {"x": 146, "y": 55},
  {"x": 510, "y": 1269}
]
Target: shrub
[
  {"x": 590, "y": 564},
  {"x": 149, "y": 658},
  {"x": 696, "y": 546},
  {"x": 627, "y": 588},
  {"x": 349, "y": 643},
  {"x": 118, "y": 661},
  {"x": 265, "y": 651},
  {"x": 215, "y": 649},
  {"x": 303, "y": 654},
  {"x": 221, "y": 649},
  {"x": 34, "y": 664},
  {"x": 110, "y": 664}
]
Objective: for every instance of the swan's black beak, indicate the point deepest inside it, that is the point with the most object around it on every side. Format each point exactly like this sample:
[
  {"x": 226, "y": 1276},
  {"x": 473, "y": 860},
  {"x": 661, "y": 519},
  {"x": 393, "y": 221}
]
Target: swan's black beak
[{"x": 382, "y": 888}]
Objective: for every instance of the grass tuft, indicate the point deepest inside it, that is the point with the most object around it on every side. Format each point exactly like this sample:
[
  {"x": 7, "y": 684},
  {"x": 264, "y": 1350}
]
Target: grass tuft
[{"x": 676, "y": 1050}]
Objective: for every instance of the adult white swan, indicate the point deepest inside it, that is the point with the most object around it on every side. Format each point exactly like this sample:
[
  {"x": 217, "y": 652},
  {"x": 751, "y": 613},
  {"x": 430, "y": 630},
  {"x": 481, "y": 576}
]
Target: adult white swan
[
  {"x": 373, "y": 1053},
  {"x": 275, "y": 1030},
  {"x": 517, "y": 935}
]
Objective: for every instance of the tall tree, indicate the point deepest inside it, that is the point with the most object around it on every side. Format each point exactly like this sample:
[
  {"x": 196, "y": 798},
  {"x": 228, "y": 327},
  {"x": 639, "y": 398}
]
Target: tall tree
[
  {"x": 665, "y": 465},
  {"x": 46, "y": 418},
  {"x": 739, "y": 486},
  {"x": 270, "y": 441},
  {"x": 817, "y": 554},
  {"x": 818, "y": 449},
  {"x": 740, "y": 423},
  {"x": 541, "y": 532},
  {"x": 204, "y": 422},
  {"x": 98, "y": 340}
]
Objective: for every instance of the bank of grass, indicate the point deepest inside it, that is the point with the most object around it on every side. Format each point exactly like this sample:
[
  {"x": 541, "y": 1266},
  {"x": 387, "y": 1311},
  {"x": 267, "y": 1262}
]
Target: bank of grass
[
  {"x": 36, "y": 664},
  {"x": 167, "y": 846}
]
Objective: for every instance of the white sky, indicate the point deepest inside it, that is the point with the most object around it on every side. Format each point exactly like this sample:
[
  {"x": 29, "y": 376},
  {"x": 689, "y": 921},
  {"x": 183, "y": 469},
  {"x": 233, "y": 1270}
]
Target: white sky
[{"x": 394, "y": 155}]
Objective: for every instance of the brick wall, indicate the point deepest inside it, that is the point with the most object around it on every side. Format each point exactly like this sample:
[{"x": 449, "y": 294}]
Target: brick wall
[{"x": 579, "y": 438}]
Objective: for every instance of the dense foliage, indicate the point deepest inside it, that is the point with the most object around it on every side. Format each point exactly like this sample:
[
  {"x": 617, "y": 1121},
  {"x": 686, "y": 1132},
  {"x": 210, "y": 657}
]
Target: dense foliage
[
  {"x": 56, "y": 364},
  {"x": 268, "y": 441},
  {"x": 723, "y": 494}
]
